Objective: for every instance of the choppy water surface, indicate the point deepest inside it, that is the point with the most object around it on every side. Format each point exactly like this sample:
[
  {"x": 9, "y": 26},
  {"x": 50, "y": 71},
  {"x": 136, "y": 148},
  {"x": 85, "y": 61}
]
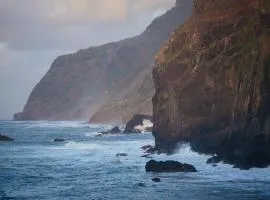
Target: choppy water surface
[{"x": 85, "y": 167}]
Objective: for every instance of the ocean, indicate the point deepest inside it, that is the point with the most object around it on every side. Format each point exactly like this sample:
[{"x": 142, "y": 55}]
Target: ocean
[{"x": 86, "y": 167}]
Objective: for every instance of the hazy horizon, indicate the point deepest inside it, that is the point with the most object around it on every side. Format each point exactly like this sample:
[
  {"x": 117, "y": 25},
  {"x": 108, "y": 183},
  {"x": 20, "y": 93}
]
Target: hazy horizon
[{"x": 35, "y": 32}]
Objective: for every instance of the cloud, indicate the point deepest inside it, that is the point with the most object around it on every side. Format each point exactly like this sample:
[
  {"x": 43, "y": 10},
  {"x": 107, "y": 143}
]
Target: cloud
[
  {"x": 50, "y": 24},
  {"x": 34, "y": 32},
  {"x": 104, "y": 10}
]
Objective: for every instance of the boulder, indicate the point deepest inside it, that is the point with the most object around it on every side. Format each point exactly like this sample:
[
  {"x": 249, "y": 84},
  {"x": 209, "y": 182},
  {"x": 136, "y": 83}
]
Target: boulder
[
  {"x": 189, "y": 168},
  {"x": 148, "y": 151},
  {"x": 214, "y": 160},
  {"x": 151, "y": 150},
  {"x": 156, "y": 179},
  {"x": 5, "y": 138},
  {"x": 121, "y": 154},
  {"x": 138, "y": 124},
  {"x": 168, "y": 166},
  {"x": 58, "y": 140},
  {"x": 99, "y": 135},
  {"x": 114, "y": 130},
  {"x": 145, "y": 147},
  {"x": 141, "y": 184}
]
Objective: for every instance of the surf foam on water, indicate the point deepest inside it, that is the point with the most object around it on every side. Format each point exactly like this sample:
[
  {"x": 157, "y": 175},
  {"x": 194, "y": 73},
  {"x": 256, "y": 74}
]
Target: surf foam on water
[
  {"x": 81, "y": 146},
  {"x": 57, "y": 124},
  {"x": 89, "y": 166},
  {"x": 146, "y": 124}
]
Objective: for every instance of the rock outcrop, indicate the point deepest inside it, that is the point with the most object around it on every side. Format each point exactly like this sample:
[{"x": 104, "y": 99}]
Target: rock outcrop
[
  {"x": 59, "y": 140},
  {"x": 212, "y": 81},
  {"x": 111, "y": 82},
  {"x": 114, "y": 130},
  {"x": 156, "y": 179},
  {"x": 5, "y": 138},
  {"x": 168, "y": 166},
  {"x": 138, "y": 124}
]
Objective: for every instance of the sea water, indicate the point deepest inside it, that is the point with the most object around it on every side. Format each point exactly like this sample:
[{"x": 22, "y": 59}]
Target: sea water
[{"x": 86, "y": 167}]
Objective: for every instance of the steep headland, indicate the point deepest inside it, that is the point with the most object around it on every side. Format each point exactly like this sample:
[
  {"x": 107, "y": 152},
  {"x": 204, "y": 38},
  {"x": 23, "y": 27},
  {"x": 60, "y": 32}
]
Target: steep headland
[
  {"x": 212, "y": 81},
  {"x": 111, "y": 82}
]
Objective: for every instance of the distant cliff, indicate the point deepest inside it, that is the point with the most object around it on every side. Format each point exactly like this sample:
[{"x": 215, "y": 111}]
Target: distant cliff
[
  {"x": 212, "y": 81},
  {"x": 112, "y": 81}
]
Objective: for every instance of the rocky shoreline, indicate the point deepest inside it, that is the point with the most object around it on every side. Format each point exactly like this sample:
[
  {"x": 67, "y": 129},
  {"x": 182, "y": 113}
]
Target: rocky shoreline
[{"x": 137, "y": 124}]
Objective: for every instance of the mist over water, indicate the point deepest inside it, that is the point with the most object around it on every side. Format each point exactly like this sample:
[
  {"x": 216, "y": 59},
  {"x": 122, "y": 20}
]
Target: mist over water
[{"x": 85, "y": 167}]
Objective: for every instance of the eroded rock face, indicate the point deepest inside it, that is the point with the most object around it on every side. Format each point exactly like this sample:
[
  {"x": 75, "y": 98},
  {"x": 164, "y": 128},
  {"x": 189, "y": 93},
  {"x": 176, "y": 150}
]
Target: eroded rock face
[
  {"x": 111, "y": 82},
  {"x": 212, "y": 81}
]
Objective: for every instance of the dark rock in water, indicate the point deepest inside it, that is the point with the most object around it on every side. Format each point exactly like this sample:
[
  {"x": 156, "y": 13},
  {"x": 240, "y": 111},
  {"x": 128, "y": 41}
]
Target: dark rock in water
[
  {"x": 121, "y": 154},
  {"x": 58, "y": 140},
  {"x": 128, "y": 131},
  {"x": 137, "y": 120},
  {"x": 141, "y": 185},
  {"x": 214, "y": 165},
  {"x": 114, "y": 130},
  {"x": 168, "y": 166},
  {"x": 214, "y": 160},
  {"x": 156, "y": 179},
  {"x": 5, "y": 138},
  {"x": 189, "y": 168},
  {"x": 99, "y": 135},
  {"x": 152, "y": 150},
  {"x": 149, "y": 149},
  {"x": 145, "y": 147},
  {"x": 147, "y": 155}
]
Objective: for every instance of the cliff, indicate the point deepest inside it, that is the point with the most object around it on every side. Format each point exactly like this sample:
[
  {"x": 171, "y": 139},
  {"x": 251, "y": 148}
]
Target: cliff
[
  {"x": 104, "y": 80},
  {"x": 212, "y": 82},
  {"x": 135, "y": 95}
]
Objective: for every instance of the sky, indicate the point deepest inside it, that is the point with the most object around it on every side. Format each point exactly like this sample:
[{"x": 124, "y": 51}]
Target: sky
[{"x": 34, "y": 32}]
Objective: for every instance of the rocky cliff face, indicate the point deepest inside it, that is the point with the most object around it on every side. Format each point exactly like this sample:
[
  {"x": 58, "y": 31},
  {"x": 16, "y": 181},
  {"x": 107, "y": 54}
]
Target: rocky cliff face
[
  {"x": 135, "y": 95},
  {"x": 114, "y": 80},
  {"x": 212, "y": 81}
]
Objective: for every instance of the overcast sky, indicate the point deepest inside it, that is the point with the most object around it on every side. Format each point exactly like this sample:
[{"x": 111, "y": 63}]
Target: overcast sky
[{"x": 34, "y": 32}]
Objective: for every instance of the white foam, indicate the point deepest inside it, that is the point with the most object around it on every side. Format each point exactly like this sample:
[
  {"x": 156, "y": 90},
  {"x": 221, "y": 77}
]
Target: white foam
[
  {"x": 72, "y": 145},
  {"x": 91, "y": 134},
  {"x": 146, "y": 124},
  {"x": 82, "y": 146},
  {"x": 58, "y": 124}
]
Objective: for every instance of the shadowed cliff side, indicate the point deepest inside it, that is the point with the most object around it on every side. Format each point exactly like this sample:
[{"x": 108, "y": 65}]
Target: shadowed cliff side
[
  {"x": 212, "y": 82},
  {"x": 90, "y": 80}
]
